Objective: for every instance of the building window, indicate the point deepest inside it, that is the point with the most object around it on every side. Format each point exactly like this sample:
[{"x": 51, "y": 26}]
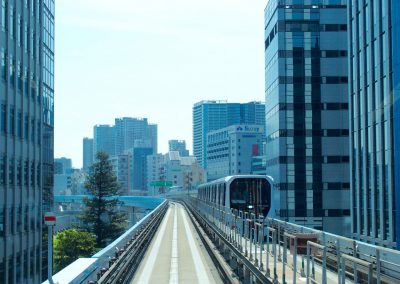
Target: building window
[
  {"x": 10, "y": 269},
  {"x": 11, "y": 171},
  {"x": 19, "y": 125},
  {"x": 26, "y": 81},
  {"x": 25, "y": 265},
  {"x": 19, "y": 219},
  {"x": 26, "y": 172},
  {"x": 3, "y": 65},
  {"x": 26, "y": 218},
  {"x": 2, "y": 223},
  {"x": 32, "y": 130},
  {"x": 3, "y": 118},
  {"x": 38, "y": 133},
  {"x": 38, "y": 175},
  {"x": 19, "y": 172},
  {"x": 3, "y": 170},
  {"x": 26, "y": 127},
  {"x": 32, "y": 178},
  {"x": 32, "y": 263},
  {"x": 32, "y": 219},
  {"x": 11, "y": 71},
  {"x": 4, "y": 15},
  {"x": 12, "y": 121},
  {"x": 26, "y": 38},
  {"x": 12, "y": 25},
  {"x": 19, "y": 30},
  {"x": 19, "y": 76},
  {"x": 32, "y": 45}
]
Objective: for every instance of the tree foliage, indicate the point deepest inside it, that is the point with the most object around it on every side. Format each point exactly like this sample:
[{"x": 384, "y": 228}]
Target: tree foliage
[
  {"x": 72, "y": 244},
  {"x": 101, "y": 215}
]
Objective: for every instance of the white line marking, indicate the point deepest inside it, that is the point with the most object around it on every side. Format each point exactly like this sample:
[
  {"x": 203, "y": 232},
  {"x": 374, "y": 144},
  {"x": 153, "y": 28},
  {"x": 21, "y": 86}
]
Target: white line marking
[
  {"x": 173, "y": 273},
  {"x": 201, "y": 272},
  {"x": 149, "y": 265}
]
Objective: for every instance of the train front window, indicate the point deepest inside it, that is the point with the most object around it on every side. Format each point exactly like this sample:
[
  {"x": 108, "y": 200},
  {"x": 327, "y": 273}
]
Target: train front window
[
  {"x": 238, "y": 195},
  {"x": 250, "y": 194}
]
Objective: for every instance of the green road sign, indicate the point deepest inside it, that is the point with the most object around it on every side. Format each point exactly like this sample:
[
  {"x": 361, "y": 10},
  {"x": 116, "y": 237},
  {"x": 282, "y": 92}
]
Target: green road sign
[{"x": 161, "y": 183}]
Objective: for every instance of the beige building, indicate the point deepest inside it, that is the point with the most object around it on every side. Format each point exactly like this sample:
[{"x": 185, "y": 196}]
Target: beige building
[{"x": 183, "y": 173}]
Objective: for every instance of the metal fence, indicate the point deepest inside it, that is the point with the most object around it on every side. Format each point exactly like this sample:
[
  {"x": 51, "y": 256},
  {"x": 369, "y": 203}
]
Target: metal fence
[{"x": 288, "y": 252}]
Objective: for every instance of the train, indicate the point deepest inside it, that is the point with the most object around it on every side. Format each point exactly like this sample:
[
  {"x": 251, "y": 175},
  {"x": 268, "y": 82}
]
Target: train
[{"x": 247, "y": 193}]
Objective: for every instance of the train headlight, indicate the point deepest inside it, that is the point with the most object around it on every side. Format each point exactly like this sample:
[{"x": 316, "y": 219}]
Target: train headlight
[{"x": 250, "y": 206}]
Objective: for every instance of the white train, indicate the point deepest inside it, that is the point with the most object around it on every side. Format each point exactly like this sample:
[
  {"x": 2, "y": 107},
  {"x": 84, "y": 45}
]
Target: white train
[{"x": 248, "y": 193}]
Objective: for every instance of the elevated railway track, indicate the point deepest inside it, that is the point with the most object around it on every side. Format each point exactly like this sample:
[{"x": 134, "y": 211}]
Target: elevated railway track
[{"x": 188, "y": 240}]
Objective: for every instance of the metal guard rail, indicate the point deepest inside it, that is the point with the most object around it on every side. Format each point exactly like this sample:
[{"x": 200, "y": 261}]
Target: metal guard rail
[
  {"x": 348, "y": 258},
  {"x": 117, "y": 249},
  {"x": 252, "y": 273},
  {"x": 123, "y": 265}
]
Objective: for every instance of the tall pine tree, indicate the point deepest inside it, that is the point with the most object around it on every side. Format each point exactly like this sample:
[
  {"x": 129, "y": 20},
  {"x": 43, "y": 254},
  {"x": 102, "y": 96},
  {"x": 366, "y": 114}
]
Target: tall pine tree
[{"x": 101, "y": 215}]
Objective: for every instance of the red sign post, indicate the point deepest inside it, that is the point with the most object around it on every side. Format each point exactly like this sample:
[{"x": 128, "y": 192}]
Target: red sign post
[{"x": 50, "y": 221}]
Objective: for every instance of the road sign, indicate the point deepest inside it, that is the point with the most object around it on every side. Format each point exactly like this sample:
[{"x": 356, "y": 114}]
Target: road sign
[
  {"x": 159, "y": 183},
  {"x": 49, "y": 219}
]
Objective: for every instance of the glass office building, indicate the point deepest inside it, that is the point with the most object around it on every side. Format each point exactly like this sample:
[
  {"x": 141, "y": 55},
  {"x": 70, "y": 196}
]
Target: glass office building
[
  {"x": 214, "y": 115},
  {"x": 178, "y": 145},
  {"x": 306, "y": 106},
  {"x": 374, "y": 132},
  {"x": 129, "y": 129},
  {"x": 103, "y": 140},
  {"x": 396, "y": 106},
  {"x": 87, "y": 153},
  {"x": 26, "y": 136},
  {"x": 47, "y": 91}
]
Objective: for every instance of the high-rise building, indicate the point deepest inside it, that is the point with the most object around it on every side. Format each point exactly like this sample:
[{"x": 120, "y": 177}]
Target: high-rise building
[
  {"x": 103, "y": 140},
  {"x": 128, "y": 129},
  {"x": 26, "y": 136},
  {"x": 153, "y": 136},
  {"x": 62, "y": 165},
  {"x": 87, "y": 153},
  {"x": 178, "y": 145},
  {"x": 230, "y": 149},
  {"x": 213, "y": 115},
  {"x": 47, "y": 8},
  {"x": 396, "y": 108},
  {"x": 374, "y": 120},
  {"x": 122, "y": 169},
  {"x": 306, "y": 98},
  {"x": 138, "y": 161}
]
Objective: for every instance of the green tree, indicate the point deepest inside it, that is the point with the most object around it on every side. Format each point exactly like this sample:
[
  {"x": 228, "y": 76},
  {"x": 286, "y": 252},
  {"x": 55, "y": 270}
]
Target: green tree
[
  {"x": 72, "y": 244},
  {"x": 101, "y": 215}
]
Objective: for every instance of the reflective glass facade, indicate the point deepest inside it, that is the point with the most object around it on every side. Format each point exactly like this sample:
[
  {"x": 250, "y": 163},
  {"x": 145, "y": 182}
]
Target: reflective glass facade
[
  {"x": 26, "y": 135},
  {"x": 128, "y": 129},
  {"x": 87, "y": 153},
  {"x": 396, "y": 107},
  {"x": 103, "y": 140},
  {"x": 306, "y": 106},
  {"x": 47, "y": 91},
  {"x": 214, "y": 115},
  {"x": 371, "y": 122}
]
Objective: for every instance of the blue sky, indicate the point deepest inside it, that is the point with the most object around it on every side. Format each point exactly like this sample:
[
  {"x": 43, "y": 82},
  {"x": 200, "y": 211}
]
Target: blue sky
[{"x": 154, "y": 59}]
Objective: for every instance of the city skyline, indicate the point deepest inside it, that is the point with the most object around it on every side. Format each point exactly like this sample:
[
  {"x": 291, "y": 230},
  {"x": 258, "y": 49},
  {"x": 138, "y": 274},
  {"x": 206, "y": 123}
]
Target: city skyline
[
  {"x": 291, "y": 109},
  {"x": 141, "y": 73}
]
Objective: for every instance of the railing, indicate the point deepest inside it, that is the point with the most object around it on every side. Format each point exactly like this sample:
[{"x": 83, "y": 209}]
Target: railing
[
  {"x": 272, "y": 247},
  {"x": 122, "y": 266},
  {"x": 87, "y": 270}
]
